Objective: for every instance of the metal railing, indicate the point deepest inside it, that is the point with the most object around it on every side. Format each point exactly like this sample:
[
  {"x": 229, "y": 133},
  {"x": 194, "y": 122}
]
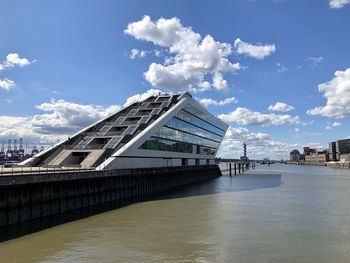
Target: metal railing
[{"x": 16, "y": 170}]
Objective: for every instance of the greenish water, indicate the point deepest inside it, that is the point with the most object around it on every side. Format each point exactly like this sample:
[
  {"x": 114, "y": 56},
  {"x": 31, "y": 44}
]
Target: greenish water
[{"x": 275, "y": 214}]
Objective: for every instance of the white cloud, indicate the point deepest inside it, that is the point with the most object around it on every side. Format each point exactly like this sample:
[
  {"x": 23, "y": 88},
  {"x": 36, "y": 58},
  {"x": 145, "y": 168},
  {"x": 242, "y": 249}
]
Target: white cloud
[
  {"x": 142, "y": 96},
  {"x": 315, "y": 60},
  {"x": 13, "y": 59},
  {"x": 136, "y": 53},
  {"x": 208, "y": 102},
  {"x": 337, "y": 94},
  {"x": 338, "y": 3},
  {"x": 297, "y": 130},
  {"x": 332, "y": 125},
  {"x": 14, "y": 126},
  {"x": 6, "y": 84},
  {"x": 191, "y": 56},
  {"x": 280, "y": 106},
  {"x": 257, "y": 51},
  {"x": 336, "y": 124},
  {"x": 218, "y": 81},
  {"x": 244, "y": 116},
  {"x": 259, "y": 145}
]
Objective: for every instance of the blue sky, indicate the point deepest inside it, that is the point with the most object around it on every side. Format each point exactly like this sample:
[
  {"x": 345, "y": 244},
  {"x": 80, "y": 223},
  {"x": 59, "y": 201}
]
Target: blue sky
[{"x": 72, "y": 63}]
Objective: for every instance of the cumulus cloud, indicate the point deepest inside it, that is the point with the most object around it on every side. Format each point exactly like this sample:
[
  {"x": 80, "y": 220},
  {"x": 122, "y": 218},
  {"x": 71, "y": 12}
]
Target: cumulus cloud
[
  {"x": 280, "y": 106},
  {"x": 207, "y": 102},
  {"x": 191, "y": 56},
  {"x": 6, "y": 84},
  {"x": 337, "y": 94},
  {"x": 332, "y": 125},
  {"x": 257, "y": 51},
  {"x": 314, "y": 61},
  {"x": 244, "y": 116},
  {"x": 12, "y": 60},
  {"x": 259, "y": 145},
  {"x": 338, "y": 3},
  {"x": 15, "y": 126}
]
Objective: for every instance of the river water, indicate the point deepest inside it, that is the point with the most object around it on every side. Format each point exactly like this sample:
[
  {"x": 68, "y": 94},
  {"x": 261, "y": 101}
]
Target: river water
[{"x": 277, "y": 213}]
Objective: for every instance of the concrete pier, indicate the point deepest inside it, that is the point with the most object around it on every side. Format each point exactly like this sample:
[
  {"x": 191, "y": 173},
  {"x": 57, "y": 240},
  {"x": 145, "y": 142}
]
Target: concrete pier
[{"x": 29, "y": 197}]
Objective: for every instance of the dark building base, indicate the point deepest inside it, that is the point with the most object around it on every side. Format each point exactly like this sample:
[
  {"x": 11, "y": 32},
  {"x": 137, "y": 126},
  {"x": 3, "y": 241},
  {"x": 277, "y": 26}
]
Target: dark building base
[{"x": 31, "y": 197}]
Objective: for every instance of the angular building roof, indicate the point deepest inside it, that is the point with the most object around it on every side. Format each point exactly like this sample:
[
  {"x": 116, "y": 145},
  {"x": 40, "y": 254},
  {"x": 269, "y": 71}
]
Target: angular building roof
[{"x": 166, "y": 126}]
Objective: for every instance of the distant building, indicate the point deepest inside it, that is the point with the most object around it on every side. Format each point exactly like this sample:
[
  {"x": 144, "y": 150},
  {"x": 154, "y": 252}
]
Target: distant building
[
  {"x": 342, "y": 147},
  {"x": 318, "y": 158},
  {"x": 338, "y": 148},
  {"x": 294, "y": 156},
  {"x": 332, "y": 152},
  {"x": 308, "y": 150}
]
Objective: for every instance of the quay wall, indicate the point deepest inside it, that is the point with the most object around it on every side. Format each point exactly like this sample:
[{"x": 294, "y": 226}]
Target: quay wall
[
  {"x": 28, "y": 197},
  {"x": 344, "y": 165}
]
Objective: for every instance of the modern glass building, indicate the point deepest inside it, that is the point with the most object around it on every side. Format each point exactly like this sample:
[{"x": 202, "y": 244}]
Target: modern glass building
[
  {"x": 338, "y": 148},
  {"x": 163, "y": 130}
]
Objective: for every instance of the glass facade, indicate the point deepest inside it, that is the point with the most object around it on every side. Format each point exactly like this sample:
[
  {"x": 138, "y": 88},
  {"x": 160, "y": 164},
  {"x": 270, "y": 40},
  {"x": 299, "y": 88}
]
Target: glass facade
[
  {"x": 208, "y": 118},
  {"x": 189, "y": 133},
  {"x": 178, "y": 135},
  {"x": 193, "y": 129}
]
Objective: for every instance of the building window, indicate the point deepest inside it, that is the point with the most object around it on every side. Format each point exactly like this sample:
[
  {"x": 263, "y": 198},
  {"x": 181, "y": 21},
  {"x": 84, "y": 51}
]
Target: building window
[{"x": 159, "y": 144}]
